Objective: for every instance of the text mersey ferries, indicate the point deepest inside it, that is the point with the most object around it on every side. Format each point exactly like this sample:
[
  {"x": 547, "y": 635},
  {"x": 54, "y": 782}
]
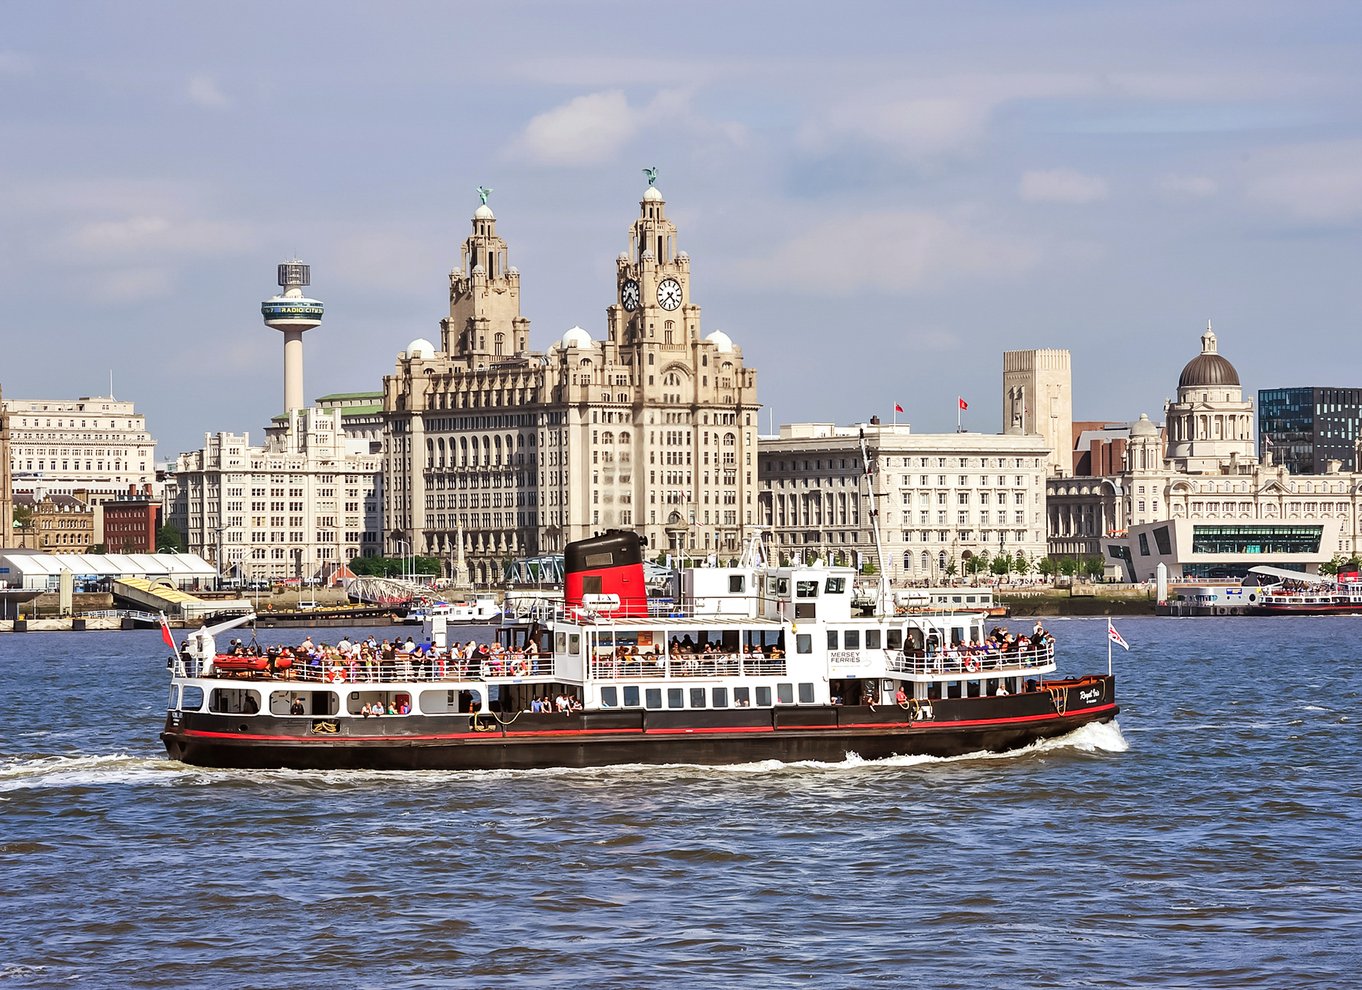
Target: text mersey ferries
[{"x": 755, "y": 663}]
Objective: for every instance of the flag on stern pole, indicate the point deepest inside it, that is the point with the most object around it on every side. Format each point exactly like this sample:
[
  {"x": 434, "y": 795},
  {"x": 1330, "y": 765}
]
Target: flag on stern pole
[
  {"x": 1115, "y": 637},
  {"x": 168, "y": 639}
]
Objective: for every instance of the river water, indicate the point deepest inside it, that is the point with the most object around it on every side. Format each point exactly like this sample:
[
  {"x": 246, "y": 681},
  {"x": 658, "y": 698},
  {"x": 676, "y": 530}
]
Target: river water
[{"x": 1210, "y": 839}]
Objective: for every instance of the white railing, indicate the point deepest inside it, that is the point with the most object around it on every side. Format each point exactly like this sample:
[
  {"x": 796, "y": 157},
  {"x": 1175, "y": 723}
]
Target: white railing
[
  {"x": 659, "y": 666},
  {"x": 966, "y": 663},
  {"x": 381, "y": 671}
]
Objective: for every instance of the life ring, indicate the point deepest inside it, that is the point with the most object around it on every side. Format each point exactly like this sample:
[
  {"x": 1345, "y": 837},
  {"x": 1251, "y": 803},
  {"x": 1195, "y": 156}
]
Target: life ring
[{"x": 971, "y": 666}]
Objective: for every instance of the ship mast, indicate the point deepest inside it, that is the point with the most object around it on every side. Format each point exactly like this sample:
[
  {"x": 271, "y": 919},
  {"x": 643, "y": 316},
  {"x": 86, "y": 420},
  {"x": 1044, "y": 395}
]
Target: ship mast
[{"x": 882, "y": 595}]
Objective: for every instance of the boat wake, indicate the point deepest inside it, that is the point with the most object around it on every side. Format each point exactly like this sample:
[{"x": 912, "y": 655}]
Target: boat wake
[{"x": 78, "y": 771}]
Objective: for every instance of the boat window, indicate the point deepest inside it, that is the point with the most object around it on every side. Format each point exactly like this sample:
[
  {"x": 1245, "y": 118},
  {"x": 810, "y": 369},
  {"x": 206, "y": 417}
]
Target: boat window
[
  {"x": 784, "y": 693},
  {"x": 778, "y": 586},
  {"x": 805, "y": 694},
  {"x": 835, "y": 585},
  {"x": 675, "y": 698},
  {"x": 234, "y": 701},
  {"x": 957, "y": 634},
  {"x": 742, "y": 697},
  {"x": 192, "y": 698},
  {"x": 574, "y": 644},
  {"x": 763, "y": 696},
  {"x": 806, "y": 589},
  {"x": 872, "y": 639},
  {"x": 737, "y": 584},
  {"x": 972, "y": 689},
  {"x": 610, "y": 697},
  {"x": 444, "y": 702},
  {"x": 803, "y": 643},
  {"x": 174, "y": 697},
  {"x": 720, "y": 696},
  {"x": 560, "y": 642},
  {"x": 652, "y": 698},
  {"x": 631, "y": 696},
  {"x": 832, "y": 639},
  {"x": 697, "y": 697},
  {"x": 851, "y": 639},
  {"x": 953, "y": 690},
  {"x": 895, "y": 639}
]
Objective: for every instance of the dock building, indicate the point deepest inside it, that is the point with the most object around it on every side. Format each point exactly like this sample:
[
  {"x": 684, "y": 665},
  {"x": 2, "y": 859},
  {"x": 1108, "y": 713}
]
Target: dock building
[{"x": 506, "y": 452}]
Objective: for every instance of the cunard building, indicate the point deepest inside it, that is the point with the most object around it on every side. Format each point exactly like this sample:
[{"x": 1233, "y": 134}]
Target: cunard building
[{"x": 511, "y": 452}]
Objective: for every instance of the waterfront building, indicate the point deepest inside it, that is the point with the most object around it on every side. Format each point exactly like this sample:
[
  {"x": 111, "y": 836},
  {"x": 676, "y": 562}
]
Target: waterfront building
[
  {"x": 1200, "y": 502},
  {"x": 95, "y": 444},
  {"x": 508, "y": 452},
  {"x": 1038, "y": 399},
  {"x": 129, "y": 522},
  {"x": 307, "y": 499},
  {"x": 54, "y": 522},
  {"x": 943, "y": 499},
  {"x": 1307, "y": 428}
]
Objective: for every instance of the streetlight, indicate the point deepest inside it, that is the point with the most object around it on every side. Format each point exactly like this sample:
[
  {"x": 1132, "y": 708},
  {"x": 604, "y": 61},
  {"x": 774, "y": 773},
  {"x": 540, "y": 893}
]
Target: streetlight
[{"x": 403, "y": 546}]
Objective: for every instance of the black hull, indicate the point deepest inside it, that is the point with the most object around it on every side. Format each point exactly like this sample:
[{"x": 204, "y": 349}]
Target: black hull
[
  {"x": 1348, "y": 609},
  {"x": 598, "y": 739}
]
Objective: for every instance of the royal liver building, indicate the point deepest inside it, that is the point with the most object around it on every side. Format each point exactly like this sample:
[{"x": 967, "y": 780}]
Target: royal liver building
[{"x": 512, "y": 452}]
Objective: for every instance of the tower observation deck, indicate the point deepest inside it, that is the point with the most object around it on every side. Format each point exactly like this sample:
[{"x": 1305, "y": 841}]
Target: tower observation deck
[{"x": 291, "y": 313}]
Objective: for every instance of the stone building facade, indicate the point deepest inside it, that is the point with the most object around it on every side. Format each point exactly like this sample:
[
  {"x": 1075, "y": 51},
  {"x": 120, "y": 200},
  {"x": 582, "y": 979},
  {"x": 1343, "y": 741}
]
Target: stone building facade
[
  {"x": 306, "y": 500},
  {"x": 57, "y": 522},
  {"x": 96, "y": 444},
  {"x": 1038, "y": 399},
  {"x": 511, "y": 452},
  {"x": 943, "y": 499},
  {"x": 1206, "y": 472}
]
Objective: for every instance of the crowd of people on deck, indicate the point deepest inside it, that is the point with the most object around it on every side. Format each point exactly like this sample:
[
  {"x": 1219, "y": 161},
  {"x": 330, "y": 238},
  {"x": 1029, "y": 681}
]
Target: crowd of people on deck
[
  {"x": 1000, "y": 648},
  {"x": 369, "y": 658}
]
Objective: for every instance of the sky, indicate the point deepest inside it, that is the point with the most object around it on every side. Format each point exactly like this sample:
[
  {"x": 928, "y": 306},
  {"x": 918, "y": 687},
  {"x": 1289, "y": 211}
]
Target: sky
[{"x": 878, "y": 198}]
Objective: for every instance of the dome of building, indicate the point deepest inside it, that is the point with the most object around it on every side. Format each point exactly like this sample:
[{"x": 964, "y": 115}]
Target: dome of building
[
  {"x": 721, "y": 341},
  {"x": 483, "y": 212},
  {"x": 1208, "y": 367},
  {"x": 652, "y": 195},
  {"x": 420, "y": 348},
  {"x": 1142, "y": 427},
  {"x": 576, "y": 337}
]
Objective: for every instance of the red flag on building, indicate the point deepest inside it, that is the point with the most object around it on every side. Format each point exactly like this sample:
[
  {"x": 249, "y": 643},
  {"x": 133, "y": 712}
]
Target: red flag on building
[
  {"x": 897, "y": 407},
  {"x": 963, "y": 403}
]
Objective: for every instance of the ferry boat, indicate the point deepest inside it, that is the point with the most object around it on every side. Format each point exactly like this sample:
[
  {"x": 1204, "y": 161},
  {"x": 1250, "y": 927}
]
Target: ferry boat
[
  {"x": 479, "y": 611},
  {"x": 751, "y": 663},
  {"x": 1344, "y": 598}
]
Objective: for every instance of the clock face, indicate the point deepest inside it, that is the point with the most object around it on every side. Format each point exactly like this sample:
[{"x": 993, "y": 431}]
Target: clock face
[
  {"x": 629, "y": 295},
  {"x": 669, "y": 293}
]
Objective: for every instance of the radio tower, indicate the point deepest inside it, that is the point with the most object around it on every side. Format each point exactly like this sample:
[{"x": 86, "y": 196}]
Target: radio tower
[{"x": 291, "y": 313}]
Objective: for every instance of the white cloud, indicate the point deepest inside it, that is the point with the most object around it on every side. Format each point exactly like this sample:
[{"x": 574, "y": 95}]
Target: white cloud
[
  {"x": 895, "y": 252},
  {"x": 148, "y": 235},
  {"x": 912, "y": 128},
  {"x": 588, "y": 130},
  {"x": 127, "y": 285},
  {"x": 16, "y": 63},
  {"x": 1189, "y": 185},
  {"x": 1061, "y": 185},
  {"x": 203, "y": 91},
  {"x": 1315, "y": 183}
]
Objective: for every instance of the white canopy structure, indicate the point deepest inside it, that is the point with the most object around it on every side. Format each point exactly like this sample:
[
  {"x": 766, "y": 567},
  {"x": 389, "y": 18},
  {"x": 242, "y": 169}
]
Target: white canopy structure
[
  {"x": 1283, "y": 574},
  {"x": 31, "y": 570}
]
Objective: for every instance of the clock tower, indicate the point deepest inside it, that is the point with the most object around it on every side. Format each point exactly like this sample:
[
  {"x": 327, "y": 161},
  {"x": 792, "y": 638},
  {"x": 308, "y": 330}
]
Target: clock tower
[
  {"x": 653, "y": 310},
  {"x": 484, "y": 324}
]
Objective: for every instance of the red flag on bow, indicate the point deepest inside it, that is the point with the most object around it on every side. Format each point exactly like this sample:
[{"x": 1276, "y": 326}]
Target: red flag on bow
[
  {"x": 963, "y": 403},
  {"x": 168, "y": 639}
]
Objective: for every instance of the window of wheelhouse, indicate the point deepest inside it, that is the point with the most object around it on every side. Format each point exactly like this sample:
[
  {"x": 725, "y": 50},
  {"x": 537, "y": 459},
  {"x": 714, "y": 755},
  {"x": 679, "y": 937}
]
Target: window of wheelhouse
[
  {"x": 851, "y": 639},
  {"x": 872, "y": 639},
  {"x": 191, "y": 700},
  {"x": 893, "y": 640},
  {"x": 835, "y": 586}
]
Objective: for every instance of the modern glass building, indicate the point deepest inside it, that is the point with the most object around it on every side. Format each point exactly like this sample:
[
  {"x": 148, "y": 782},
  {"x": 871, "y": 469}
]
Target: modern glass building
[{"x": 1305, "y": 428}]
